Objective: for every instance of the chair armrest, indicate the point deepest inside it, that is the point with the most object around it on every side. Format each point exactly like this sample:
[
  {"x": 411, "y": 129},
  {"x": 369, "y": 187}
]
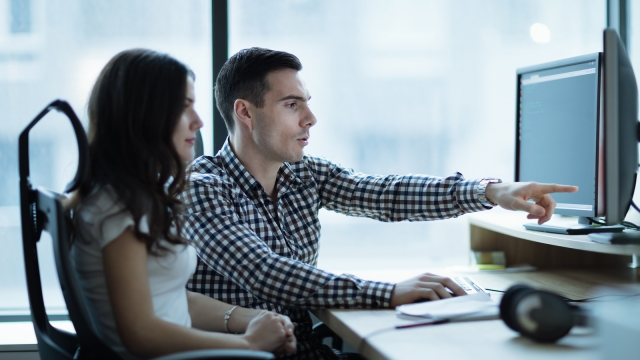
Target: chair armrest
[
  {"x": 219, "y": 354},
  {"x": 321, "y": 331}
]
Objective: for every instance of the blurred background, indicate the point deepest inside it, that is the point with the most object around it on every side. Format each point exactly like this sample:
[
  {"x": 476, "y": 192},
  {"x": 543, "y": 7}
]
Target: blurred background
[{"x": 411, "y": 86}]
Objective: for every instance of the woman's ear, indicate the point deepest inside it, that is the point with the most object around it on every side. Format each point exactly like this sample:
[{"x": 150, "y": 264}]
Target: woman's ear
[{"x": 244, "y": 113}]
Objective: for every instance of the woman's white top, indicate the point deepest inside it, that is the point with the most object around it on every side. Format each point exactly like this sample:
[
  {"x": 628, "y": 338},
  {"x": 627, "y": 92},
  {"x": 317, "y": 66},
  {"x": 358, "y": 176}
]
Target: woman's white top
[{"x": 168, "y": 274}]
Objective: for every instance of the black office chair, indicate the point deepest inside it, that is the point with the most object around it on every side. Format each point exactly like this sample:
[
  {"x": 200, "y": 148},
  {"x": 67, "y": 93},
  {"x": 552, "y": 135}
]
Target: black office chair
[
  {"x": 42, "y": 209},
  {"x": 321, "y": 331}
]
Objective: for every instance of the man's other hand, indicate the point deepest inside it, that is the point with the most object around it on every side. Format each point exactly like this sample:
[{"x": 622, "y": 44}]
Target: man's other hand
[
  {"x": 424, "y": 287},
  {"x": 515, "y": 196}
]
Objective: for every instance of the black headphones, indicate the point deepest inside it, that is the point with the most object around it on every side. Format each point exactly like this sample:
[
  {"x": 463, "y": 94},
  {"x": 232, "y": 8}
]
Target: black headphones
[{"x": 540, "y": 315}]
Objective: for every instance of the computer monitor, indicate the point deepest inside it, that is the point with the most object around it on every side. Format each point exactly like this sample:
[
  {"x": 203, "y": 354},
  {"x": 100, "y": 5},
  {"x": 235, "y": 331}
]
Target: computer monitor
[
  {"x": 571, "y": 118},
  {"x": 621, "y": 134},
  {"x": 621, "y": 130}
]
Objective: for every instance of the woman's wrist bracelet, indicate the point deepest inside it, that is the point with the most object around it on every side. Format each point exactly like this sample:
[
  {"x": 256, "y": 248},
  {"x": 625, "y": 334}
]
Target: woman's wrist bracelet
[{"x": 227, "y": 316}]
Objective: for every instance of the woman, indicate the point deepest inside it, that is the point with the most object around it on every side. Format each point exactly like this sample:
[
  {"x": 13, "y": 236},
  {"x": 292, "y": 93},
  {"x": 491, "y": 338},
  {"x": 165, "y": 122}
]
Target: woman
[{"x": 132, "y": 262}]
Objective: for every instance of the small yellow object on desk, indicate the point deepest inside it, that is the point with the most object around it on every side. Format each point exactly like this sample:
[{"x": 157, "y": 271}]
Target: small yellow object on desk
[
  {"x": 487, "y": 267},
  {"x": 488, "y": 258}
]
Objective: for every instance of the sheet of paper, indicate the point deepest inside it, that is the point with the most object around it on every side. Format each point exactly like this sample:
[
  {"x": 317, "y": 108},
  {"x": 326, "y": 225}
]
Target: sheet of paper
[{"x": 451, "y": 308}]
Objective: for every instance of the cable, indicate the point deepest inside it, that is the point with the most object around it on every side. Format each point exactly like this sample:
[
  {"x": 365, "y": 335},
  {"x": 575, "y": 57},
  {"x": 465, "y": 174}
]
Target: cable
[
  {"x": 494, "y": 290},
  {"x": 626, "y": 224},
  {"x": 635, "y": 206},
  {"x": 629, "y": 225}
]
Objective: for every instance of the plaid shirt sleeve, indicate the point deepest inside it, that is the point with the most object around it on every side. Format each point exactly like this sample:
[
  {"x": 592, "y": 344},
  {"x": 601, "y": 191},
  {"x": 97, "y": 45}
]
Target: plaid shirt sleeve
[
  {"x": 397, "y": 197},
  {"x": 229, "y": 246}
]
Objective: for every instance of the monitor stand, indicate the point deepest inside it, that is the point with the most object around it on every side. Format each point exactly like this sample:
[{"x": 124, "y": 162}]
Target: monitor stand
[{"x": 583, "y": 227}]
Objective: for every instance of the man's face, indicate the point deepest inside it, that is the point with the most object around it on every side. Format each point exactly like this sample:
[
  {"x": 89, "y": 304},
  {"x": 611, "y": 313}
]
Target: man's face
[{"x": 281, "y": 127}]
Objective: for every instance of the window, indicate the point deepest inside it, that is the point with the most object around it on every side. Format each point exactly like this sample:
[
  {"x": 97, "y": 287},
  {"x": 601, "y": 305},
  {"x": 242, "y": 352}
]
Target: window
[
  {"x": 413, "y": 86},
  {"x": 20, "y": 16},
  {"x": 54, "y": 50}
]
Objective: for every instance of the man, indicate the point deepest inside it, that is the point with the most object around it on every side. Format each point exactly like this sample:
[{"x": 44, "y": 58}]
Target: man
[{"x": 253, "y": 208}]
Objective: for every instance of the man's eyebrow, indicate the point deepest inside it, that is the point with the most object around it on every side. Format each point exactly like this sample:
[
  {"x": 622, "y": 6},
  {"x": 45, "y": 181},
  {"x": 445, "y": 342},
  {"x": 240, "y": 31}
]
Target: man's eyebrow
[
  {"x": 189, "y": 99},
  {"x": 294, "y": 97}
]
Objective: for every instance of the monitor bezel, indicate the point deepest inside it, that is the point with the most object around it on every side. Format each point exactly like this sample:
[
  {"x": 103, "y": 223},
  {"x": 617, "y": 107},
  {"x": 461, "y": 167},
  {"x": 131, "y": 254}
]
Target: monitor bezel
[
  {"x": 597, "y": 57},
  {"x": 621, "y": 133}
]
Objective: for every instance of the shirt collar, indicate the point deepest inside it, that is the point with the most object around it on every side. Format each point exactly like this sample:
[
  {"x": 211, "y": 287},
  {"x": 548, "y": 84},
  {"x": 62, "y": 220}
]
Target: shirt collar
[
  {"x": 290, "y": 176},
  {"x": 244, "y": 178}
]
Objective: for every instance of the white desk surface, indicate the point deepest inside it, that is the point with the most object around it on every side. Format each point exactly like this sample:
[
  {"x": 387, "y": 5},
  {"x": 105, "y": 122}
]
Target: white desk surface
[
  {"x": 488, "y": 339},
  {"x": 485, "y": 339}
]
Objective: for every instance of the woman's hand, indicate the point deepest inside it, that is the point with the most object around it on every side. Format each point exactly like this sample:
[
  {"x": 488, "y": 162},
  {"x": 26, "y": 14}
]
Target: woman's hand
[
  {"x": 289, "y": 346},
  {"x": 271, "y": 332}
]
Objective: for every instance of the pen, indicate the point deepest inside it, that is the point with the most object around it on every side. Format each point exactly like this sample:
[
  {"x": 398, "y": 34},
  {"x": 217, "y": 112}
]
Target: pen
[{"x": 437, "y": 322}]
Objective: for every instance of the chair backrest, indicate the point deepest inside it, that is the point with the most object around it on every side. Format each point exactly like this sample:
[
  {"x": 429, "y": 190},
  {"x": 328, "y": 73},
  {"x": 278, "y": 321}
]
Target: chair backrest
[
  {"x": 55, "y": 221},
  {"x": 40, "y": 210},
  {"x": 52, "y": 343}
]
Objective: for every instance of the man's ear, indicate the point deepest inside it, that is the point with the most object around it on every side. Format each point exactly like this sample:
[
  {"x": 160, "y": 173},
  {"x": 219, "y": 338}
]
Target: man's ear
[{"x": 244, "y": 112}]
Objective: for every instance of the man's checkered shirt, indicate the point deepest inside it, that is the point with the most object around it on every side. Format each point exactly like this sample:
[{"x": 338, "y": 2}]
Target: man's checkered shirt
[{"x": 254, "y": 254}]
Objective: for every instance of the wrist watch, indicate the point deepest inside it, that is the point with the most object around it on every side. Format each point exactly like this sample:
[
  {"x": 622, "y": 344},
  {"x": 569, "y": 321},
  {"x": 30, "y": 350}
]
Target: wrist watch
[{"x": 482, "y": 187}]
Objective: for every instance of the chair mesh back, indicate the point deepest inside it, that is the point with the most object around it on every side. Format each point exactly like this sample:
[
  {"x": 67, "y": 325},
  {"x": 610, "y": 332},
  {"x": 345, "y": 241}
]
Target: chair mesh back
[{"x": 57, "y": 225}]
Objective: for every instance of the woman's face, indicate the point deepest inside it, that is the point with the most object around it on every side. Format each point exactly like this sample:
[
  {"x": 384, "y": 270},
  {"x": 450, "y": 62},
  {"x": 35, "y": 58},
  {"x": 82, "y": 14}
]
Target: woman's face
[{"x": 184, "y": 135}]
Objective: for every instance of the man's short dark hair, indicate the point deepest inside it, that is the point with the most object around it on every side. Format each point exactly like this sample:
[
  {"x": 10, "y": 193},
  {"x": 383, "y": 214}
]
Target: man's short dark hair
[{"x": 244, "y": 76}]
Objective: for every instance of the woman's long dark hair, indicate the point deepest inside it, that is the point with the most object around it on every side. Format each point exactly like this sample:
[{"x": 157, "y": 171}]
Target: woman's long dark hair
[{"x": 134, "y": 108}]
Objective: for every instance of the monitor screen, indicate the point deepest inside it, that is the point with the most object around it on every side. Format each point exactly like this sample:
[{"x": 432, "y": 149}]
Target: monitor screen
[{"x": 557, "y": 130}]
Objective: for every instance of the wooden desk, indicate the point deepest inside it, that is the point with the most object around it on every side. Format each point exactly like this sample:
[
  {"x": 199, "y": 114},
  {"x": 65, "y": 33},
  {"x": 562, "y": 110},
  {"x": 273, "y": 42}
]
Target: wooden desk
[
  {"x": 502, "y": 230},
  {"x": 572, "y": 266}
]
